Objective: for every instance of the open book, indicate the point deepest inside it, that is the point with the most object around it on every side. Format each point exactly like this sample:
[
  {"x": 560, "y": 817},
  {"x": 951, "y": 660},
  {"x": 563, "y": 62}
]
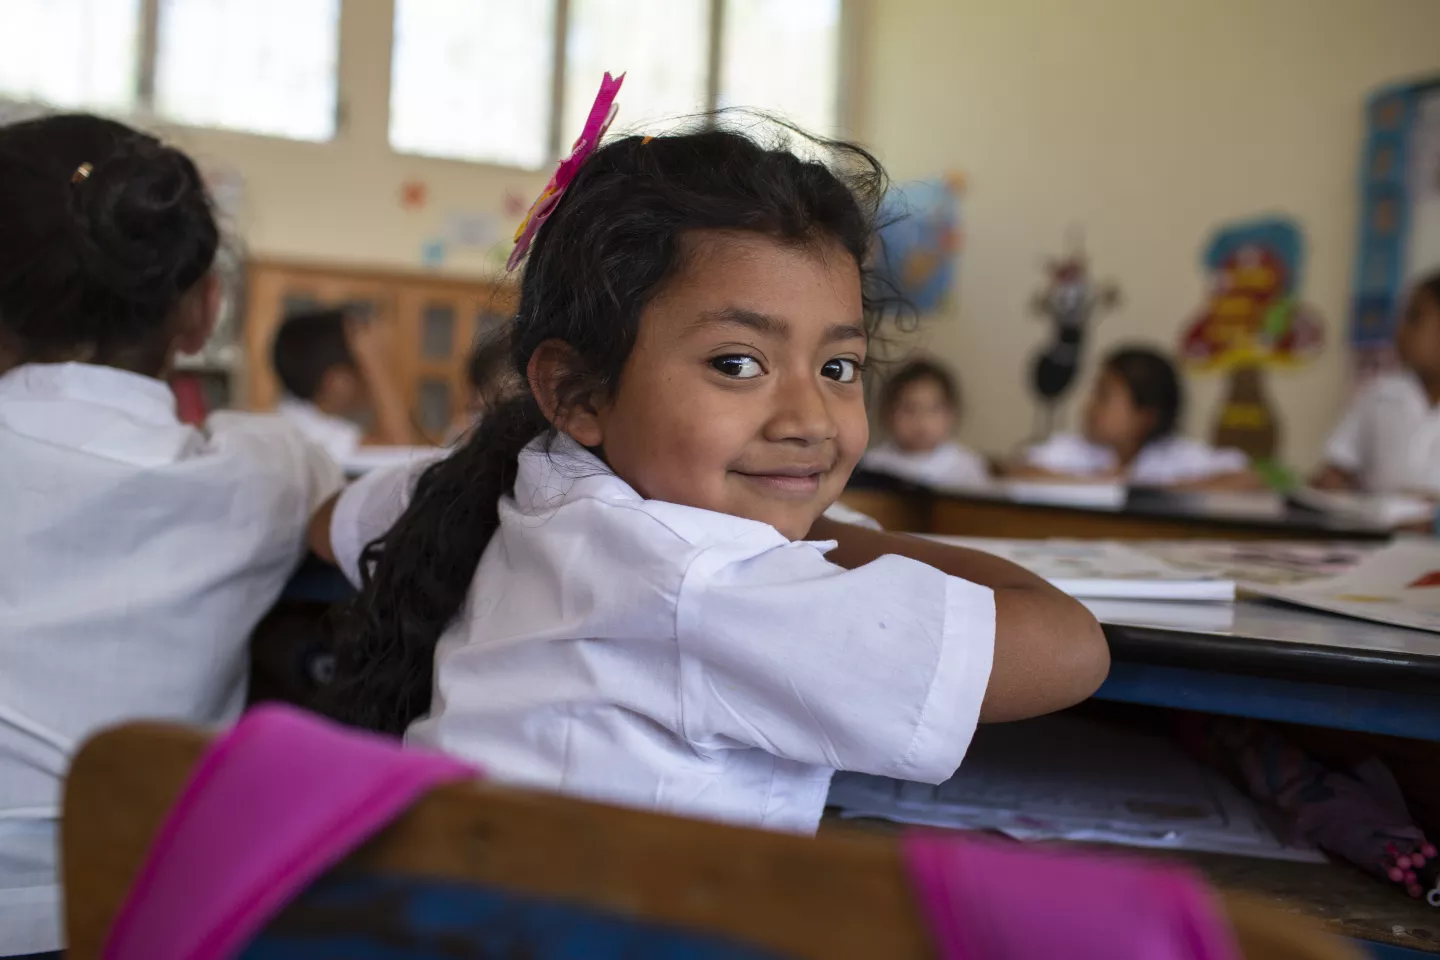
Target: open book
[
  {"x": 1102, "y": 569},
  {"x": 1398, "y": 585}
]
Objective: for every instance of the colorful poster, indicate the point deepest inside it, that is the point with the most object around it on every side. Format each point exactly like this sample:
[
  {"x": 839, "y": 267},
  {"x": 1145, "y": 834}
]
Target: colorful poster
[
  {"x": 920, "y": 241},
  {"x": 1252, "y": 319}
]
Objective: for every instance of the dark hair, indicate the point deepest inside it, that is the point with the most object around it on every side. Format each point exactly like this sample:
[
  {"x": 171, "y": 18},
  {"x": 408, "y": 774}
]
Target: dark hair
[
  {"x": 488, "y": 369},
  {"x": 1153, "y": 384},
  {"x": 611, "y": 244},
  {"x": 307, "y": 345},
  {"x": 102, "y": 231},
  {"x": 1429, "y": 284},
  {"x": 918, "y": 371}
]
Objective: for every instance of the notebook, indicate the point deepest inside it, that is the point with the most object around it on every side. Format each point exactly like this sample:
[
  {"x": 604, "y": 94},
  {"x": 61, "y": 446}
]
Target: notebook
[
  {"x": 1102, "y": 569},
  {"x": 1398, "y": 584}
]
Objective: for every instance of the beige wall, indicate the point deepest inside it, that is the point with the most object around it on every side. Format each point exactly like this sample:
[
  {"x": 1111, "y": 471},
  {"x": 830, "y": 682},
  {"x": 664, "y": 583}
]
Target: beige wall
[
  {"x": 1146, "y": 122},
  {"x": 339, "y": 201}
]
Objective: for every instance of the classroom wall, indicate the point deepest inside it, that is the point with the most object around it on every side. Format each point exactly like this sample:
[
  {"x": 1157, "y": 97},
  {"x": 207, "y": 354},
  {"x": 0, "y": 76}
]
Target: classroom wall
[
  {"x": 340, "y": 201},
  {"x": 1146, "y": 123}
]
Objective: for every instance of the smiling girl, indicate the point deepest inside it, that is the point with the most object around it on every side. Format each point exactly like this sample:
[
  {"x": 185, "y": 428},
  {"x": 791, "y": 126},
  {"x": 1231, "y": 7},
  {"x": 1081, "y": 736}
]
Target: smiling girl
[{"x": 622, "y": 586}]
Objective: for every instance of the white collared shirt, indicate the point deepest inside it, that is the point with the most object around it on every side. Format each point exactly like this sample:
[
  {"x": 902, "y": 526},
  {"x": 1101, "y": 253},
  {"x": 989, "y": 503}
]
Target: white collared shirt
[
  {"x": 1169, "y": 460},
  {"x": 948, "y": 465},
  {"x": 340, "y": 437},
  {"x": 1390, "y": 437},
  {"x": 139, "y": 554},
  {"x": 684, "y": 661}
]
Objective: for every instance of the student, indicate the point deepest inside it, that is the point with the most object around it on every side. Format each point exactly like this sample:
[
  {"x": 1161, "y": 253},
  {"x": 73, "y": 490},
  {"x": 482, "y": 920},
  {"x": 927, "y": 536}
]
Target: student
[
  {"x": 139, "y": 551},
  {"x": 1129, "y": 435},
  {"x": 1389, "y": 439},
  {"x": 489, "y": 378},
  {"x": 919, "y": 408},
  {"x": 333, "y": 369},
  {"x": 620, "y": 584}
]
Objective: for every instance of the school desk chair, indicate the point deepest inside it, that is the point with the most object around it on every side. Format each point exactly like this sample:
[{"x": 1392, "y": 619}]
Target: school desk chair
[{"x": 473, "y": 870}]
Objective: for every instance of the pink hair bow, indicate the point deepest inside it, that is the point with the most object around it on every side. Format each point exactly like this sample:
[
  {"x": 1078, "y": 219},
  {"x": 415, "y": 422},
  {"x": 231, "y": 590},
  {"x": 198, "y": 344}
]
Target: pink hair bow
[{"x": 602, "y": 112}]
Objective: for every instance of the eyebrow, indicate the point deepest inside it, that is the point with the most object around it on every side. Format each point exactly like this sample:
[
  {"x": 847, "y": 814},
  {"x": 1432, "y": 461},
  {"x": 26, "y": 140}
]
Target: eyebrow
[{"x": 770, "y": 325}]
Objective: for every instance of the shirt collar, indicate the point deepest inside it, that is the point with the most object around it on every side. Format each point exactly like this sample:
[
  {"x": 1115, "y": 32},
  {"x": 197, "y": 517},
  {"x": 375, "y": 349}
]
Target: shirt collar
[{"x": 143, "y": 398}]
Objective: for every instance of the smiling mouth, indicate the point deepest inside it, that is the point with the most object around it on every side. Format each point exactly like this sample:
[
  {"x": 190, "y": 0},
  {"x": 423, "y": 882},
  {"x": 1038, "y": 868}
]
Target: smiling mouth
[{"x": 796, "y": 484}]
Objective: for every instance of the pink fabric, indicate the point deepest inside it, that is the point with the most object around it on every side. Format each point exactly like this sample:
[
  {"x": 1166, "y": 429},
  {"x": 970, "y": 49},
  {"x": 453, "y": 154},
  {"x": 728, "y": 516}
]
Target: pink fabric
[
  {"x": 988, "y": 900},
  {"x": 272, "y": 805}
]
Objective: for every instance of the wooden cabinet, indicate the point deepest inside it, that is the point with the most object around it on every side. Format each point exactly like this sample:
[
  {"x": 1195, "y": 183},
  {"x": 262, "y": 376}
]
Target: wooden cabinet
[{"x": 429, "y": 323}]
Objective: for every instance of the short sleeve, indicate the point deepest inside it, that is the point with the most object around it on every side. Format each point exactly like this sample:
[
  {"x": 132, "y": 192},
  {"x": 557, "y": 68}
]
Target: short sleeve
[
  {"x": 313, "y": 469},
  {"x": 1345, "y": 447},
  {"x": 366, "y": 510},
  {"x": 878, "y": 670},
  {"x": 1067, "y": 453}
]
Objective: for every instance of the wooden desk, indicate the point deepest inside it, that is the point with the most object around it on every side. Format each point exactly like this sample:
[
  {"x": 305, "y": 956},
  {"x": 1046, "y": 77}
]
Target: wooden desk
[{"x": 1144, "y": 515}]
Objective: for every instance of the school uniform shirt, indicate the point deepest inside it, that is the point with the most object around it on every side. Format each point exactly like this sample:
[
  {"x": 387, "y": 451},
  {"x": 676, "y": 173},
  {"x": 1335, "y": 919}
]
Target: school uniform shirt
[
  {"x": 948, "y": 465},
  {"x": 139, "y": 553},
  {"x": 1390, "y": 437},
  {"x": 1169, "y": 460},
  {"x": 340, "y": 437},
  {"x": 684, "y": 661}
]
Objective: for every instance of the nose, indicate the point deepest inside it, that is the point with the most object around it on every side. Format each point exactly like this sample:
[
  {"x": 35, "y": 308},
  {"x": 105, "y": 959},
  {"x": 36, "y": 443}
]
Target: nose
[{"x": 801, "y": 412}]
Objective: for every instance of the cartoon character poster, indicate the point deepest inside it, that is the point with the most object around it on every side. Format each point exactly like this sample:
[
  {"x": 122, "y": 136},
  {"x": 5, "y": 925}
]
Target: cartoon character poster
[
  {"x": 1252, "y": 320},
  {"x": 1069, "y": 301}
]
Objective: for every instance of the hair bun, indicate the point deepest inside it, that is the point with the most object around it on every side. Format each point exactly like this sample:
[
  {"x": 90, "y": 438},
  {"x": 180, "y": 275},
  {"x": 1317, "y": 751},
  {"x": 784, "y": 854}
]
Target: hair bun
[{"x": 144, "y": 220}]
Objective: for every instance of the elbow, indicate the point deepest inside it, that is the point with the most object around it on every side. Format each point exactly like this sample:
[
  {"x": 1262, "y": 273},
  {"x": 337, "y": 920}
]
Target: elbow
[
  {"x": 1049, "y": 655},
  {"x": 1092, "y": 658}
]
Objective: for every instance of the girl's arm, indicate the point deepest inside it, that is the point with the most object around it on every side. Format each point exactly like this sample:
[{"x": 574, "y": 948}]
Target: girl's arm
[
  {"x": 1050, "y": 653},
  {"x": 1240, "y": 480},
  {"x": 392, "y": 422},
  {"x": 1331, "y": 477}
]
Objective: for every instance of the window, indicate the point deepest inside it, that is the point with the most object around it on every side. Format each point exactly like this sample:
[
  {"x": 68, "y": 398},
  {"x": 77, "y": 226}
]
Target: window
[
  {"x": 470, "y": 79},
  {"x": 261, "y": 66},
  {"x": 479, "y": 80},
  {"x": 71, "y": 53}
]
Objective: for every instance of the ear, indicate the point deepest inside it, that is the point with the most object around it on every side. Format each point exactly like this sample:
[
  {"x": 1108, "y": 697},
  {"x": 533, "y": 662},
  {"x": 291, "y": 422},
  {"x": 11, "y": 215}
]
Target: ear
[
  {"x": 550, "y": 365},
  {"x": 198, "y": 312}
]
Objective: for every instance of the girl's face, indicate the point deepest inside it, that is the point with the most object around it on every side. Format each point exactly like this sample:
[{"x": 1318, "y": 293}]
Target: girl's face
[
  {"x": 1111, "y": 417},
  {"x": 1418, "y": 338},
  {"x": 743, "y": 393},
  {"x": 921, "y": 417}
]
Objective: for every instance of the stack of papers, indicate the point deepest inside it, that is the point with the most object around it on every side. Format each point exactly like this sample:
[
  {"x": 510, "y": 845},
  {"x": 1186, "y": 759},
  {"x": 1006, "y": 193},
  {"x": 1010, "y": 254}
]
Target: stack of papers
[
  {"x": 1103, "y": 496},
  {"x": 1103, "y": 570},
  {"x": 1388, "y": 511},
  {"x": 1070, "y": 778}
]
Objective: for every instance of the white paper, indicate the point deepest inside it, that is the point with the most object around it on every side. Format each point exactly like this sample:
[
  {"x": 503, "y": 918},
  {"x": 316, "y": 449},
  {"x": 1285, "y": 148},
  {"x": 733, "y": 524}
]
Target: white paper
[
  {"x": 1105, "y": 496},
  {"x": 1102, "y": 569},
  {"x": 1071, "y": 778},
  {"x": 1381, "y": 510},
  {"x": 1399, "y": 585},
  {"x": 1257, "y": 563}
]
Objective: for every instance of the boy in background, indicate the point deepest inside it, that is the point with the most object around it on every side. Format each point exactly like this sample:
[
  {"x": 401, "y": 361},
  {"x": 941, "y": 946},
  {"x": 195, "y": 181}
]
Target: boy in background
[{"x": 332, "y": 368}]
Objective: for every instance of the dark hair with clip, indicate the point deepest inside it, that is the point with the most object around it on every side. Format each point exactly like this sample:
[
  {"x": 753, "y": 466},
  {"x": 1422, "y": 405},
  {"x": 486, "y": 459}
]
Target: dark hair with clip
[
  {"x": 306, "y": 345},
  {"x": 93, "y": 265},
  {"x": 611, "y": 244},
  {"x": 1153, "y": 384}
]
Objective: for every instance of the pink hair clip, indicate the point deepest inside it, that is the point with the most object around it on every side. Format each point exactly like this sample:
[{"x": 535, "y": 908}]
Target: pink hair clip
[{"x": 602, "y": 112}]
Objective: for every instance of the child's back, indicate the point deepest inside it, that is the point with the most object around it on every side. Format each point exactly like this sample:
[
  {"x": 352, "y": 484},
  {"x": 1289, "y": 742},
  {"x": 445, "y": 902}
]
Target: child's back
[{"x": 140, "y": 551}]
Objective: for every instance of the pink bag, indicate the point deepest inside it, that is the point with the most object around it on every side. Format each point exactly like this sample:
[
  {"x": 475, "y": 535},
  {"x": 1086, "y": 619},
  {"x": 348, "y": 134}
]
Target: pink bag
[{"x": 284, "y": 796}]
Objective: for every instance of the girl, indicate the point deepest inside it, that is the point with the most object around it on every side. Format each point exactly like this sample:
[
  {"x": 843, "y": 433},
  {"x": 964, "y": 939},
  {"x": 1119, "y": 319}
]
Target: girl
[
  {"x": 619, "y": 584},
  {"x": 1389, "y": 439},
  {"x": 1130, "y": 436},
  {"x": 140, "y": 552},
  {"x": 919, "y": 408}
]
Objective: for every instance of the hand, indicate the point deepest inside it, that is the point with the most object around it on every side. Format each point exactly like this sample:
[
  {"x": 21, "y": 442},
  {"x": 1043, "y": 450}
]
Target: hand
[{"x": 365, "y": 341}]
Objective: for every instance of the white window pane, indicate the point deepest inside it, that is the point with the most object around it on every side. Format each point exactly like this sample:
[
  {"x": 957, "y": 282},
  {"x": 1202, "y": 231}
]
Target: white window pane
[
  {"x": 660, "y": 45},
  {"x": 70, "y": 53},
  {"x": 782, "y": 56},
  {"x": 471, "y": 79},
  {"x": 262, "y": 66}
]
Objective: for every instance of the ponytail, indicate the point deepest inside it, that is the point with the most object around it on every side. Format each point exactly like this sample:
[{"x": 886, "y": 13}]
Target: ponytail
[{"x": 415, "y": 579}]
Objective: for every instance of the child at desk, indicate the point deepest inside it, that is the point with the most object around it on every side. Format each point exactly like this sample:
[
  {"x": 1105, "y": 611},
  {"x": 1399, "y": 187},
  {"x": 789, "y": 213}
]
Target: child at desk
[
  {"x": 919, "y": 408},
  {"x": 619, "y": 584},
  {"x": 1129, "y": 435},
  {"x": 1389, "y": 439},
  {"x": 140, "y": 551},
  {"x": 332, "y": 368}
]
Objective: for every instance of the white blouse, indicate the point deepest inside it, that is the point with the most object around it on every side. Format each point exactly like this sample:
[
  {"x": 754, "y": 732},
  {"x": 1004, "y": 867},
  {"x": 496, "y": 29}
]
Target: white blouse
[
  {"x": 140, "y": 554},
  {"x": 684, "y": 661},
  {"x": 948, "y": 465},
  {"x": 1390, "y": 437},
  {"x": 1162, "y": 462}
]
